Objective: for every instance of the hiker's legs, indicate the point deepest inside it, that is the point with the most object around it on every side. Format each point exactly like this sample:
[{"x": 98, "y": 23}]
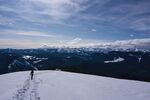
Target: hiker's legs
[{"x": 31, "y": 77}]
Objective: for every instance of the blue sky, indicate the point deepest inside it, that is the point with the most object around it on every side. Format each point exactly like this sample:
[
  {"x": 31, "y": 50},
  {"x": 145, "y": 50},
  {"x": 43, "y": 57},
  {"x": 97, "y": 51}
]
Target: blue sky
[{"x": 33, "y": 23}]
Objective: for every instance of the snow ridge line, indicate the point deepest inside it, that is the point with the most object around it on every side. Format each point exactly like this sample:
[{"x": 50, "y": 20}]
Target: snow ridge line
[{"x": 29, "y": 91}]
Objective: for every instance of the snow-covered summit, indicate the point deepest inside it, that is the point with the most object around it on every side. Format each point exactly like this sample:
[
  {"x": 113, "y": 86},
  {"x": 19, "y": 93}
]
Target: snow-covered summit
[{"x": 58, "y": 85}]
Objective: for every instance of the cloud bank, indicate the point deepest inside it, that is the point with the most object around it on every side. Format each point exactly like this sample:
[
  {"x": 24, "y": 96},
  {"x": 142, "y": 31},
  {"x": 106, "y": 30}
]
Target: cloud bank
[
  {"x": 143, "y": 44},
  {"x": 124, "y": 44}
]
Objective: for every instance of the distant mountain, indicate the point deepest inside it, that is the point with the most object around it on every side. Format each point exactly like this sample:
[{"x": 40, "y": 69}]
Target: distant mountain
[{"x": 129, "y": 64}]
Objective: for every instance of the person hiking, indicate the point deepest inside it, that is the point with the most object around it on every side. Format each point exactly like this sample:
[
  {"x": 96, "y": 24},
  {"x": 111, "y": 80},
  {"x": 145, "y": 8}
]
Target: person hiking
[{"x": 32, "y": 73}]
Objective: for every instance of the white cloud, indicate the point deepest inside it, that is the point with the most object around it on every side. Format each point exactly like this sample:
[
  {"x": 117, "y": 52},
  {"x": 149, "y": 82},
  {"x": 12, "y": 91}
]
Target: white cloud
[
  {"x": 126, "y": 44},
  {"x": 74, "y": 41},
  {"x": 141, "y": 24},
  {"x": 131, "y": 35},
  {"x": 6, "y": 21},
  {"x": 56, "y": 10},
  {"x": 34, "y": 33},
  {"x": 118, "y": 44},
  {"x": 44, "y": 11},
  {"x": 93, "y": 30},
  {"x": 28, "y": 33},
  {"x": 133, "y": 16}
]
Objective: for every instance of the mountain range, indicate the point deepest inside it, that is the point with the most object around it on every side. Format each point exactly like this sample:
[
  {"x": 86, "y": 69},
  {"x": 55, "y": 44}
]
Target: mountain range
[{"x": 126, "y": 64}]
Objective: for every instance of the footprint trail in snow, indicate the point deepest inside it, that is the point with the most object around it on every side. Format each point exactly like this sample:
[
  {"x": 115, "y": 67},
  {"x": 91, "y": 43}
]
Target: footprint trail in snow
[{"x": 29, "y": 90}]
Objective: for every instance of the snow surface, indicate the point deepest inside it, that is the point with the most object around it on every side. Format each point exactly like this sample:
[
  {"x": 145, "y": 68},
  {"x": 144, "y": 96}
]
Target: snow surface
[
  {"x": 27, "y": 57},
  {"x": 58, "y": 85},
  {"x": 115, "y": 60}
]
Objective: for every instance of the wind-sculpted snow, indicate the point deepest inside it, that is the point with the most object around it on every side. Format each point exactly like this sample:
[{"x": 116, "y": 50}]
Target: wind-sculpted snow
[{"x": 58, "y": 85}]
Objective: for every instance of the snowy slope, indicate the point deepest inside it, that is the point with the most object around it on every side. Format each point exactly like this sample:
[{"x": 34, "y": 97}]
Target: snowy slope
[{"x": 58, "y": 85}]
